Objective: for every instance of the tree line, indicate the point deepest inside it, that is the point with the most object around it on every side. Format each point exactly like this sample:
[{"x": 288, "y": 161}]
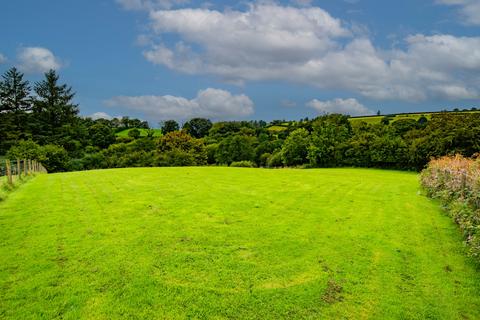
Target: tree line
[{"x": 41, "y": 122}]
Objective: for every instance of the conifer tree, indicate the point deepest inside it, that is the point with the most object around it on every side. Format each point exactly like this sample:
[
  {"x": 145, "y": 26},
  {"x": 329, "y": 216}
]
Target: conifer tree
[
  {"x": 15, "y": 103},
  {"x": 53, "y": 105},
  {"x": 14, "y": 92}
]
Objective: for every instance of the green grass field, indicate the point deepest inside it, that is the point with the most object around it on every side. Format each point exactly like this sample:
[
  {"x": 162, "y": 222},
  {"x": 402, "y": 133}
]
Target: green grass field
[
  {"x": 402, "y": 116},
  {"x": 143, "y": 132},
  {"x": 231, "y": 243},
  {"x": 378, "y": 119},
  {"x": 5, "y": 188},
  {"x": 374, "y": 119}
]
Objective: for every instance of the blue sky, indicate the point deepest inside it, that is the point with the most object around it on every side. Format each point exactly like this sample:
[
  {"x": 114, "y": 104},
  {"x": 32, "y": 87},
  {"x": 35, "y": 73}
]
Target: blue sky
[{"x": 163, "y": 59}]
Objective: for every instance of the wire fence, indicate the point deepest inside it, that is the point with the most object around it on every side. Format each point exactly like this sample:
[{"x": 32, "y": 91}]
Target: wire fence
[{"x": 12, "y": 170}]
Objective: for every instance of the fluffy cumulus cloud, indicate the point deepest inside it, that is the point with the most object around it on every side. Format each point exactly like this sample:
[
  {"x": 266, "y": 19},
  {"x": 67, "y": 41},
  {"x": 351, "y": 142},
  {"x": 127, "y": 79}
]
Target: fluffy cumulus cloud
[
  {"x": 100, "y": 115},
  {"x": 3, "y": 59},
  {"x": 236, "y": 43},
  {"x": 345, "y": 106},
  {"x": 469, "y": 9},
  {"x": 37, "y": 60},
  {"x": 306, "y": 45},
  {"x": 209, "y": 103}
]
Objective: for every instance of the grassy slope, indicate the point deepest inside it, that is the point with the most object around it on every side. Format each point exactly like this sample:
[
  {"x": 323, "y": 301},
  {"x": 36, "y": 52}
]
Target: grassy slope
[
  {"x": 143, "y": 132},
  {"x": 378, "y": 119},
  {"x": 375, "y": 119},
  {"x": 231, "y": 243},
  {"x": 5, "y": 189},
  {"x": 414, "y": 116}
]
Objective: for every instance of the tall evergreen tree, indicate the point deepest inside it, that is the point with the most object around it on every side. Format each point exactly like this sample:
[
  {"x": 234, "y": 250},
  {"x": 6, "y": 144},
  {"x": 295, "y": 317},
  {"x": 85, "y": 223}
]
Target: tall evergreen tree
[
  {"x": 15, "y": 102},
  {"x": 14, "y": 92},
  {"x": 53, "y": 106}
]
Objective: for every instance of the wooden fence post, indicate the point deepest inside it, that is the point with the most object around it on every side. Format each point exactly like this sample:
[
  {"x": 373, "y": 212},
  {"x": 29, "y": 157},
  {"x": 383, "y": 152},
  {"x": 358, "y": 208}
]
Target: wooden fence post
[
  {"x": 25, "y": 167},
  {"x": 19, "y": 169},
  {"x": 9, "y": 172}
]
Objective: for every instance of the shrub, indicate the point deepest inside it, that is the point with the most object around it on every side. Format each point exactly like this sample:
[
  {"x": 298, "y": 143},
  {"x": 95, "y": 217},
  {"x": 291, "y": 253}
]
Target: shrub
[
  {"x": 211, "y": 150},
  {"x": 56, "y": 158},
  {"x": 124, "y": 139},
  {"x": 243, "y": 164},
  {"x": 456, "y": 182},
  {"x": 134, "y": 133},
  {"x": 94, "y": 161},
  {"x": 169, "y": 126},
  {"x": 295, "y": 148},
  {"x": 264, "y": 159},
  {"x": 26, "y": 150},
  {"x": 101, "y": 135},
  {"x": 275, "y": 160},
  {"x": 190, "y": 151},
  {"x": 235, "y": 148},
  {"x": 175, "y": 158}
]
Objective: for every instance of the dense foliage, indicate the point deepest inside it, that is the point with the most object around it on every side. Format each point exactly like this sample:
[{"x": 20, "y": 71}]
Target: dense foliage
[
  {"x": 49, "y": 117},
  {"x": 456, "y": 182}
]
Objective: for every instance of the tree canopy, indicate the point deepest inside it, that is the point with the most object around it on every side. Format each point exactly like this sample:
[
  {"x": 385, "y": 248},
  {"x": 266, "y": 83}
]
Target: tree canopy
[{"x": 45, "y": 125}]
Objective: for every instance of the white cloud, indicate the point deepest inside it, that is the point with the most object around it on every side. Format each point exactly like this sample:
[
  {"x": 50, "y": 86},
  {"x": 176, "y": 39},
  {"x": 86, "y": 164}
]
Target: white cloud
[
  {"x": 150, "y": 4},
  {"x": 469, "y": 9},
  {"x": 100, "y": 115},
  {"x": 210, "y": 103},
  {"x": 344, "y": 106},
  {"x": 3, "y": 59},
  {"x": 37, "y": 60},
  {"x": 309, "y": 46},
  {"x": 239, "y": 45}
]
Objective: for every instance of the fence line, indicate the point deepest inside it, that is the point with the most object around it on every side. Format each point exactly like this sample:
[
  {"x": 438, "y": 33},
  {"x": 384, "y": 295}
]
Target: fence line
[{"x": 13, "y": 170}]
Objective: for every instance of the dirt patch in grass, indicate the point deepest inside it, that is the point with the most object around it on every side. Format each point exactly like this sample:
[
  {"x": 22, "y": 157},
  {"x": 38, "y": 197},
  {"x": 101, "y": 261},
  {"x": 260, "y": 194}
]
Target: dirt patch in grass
[{"x": 333, "y": 292}]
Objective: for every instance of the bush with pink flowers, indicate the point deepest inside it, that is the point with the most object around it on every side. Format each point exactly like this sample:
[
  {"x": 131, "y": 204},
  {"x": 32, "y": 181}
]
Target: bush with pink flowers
[{"x": 456, "y": 182}]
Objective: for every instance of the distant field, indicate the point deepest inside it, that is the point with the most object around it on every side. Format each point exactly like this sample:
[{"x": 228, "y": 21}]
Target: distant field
[
  {"x": 374, "y": 119},
  {"x": 277, "y": 128},
  {"x": 231, "y": 243},
  {"x": 378, "y": 119},
  {"x": 143, "y": 132},
  {"x": 393, "y": 118}
]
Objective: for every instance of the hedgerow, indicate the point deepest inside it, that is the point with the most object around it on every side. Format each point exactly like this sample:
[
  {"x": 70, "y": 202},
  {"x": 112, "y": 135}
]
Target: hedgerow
[
  {"x": 243, "y": 164},
  {"x": 456, "y": 182}
]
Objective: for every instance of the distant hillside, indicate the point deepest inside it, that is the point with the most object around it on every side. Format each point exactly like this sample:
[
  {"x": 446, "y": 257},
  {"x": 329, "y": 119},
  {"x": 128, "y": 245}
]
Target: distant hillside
[
  {"x": 143, "y": 132},
  {"x": 278, "y": 127},
  {"x": 401, "y": 116}
]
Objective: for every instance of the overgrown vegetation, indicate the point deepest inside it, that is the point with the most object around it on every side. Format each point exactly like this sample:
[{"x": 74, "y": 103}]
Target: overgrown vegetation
[
  {"x": 456, "y": 182},
  {"x": 48, "y": 121}
]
